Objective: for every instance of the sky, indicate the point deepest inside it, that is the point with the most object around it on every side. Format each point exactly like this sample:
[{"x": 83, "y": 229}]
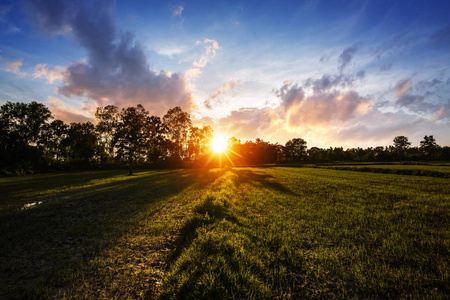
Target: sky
[{"x": 335, "y": 73}]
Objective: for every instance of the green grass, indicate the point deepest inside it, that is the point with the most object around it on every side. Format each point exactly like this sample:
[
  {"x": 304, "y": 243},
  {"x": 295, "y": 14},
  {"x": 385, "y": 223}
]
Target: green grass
[
  {"x": 241, "y": 233},
  {"x": 434, "y": 169}
]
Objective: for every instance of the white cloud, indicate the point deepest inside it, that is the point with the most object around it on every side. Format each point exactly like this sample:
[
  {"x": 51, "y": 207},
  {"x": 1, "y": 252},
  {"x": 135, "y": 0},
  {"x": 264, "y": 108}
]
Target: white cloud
[{"x": 51, "y": 74}]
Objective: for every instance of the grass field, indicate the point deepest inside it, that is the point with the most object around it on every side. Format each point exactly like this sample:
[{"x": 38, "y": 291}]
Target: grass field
[{"x": 240, "y": 233}]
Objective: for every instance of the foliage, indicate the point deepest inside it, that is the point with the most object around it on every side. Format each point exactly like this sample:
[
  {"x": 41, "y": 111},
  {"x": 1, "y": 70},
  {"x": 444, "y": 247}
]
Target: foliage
[
  {"x": 31, "y": 142},
  {"x": 20, "y": 126},
  {"x": 295, "y": 149}
]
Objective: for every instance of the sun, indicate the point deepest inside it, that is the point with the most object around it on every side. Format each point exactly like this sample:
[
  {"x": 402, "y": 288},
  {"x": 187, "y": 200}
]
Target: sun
[{"x": 219, "y": 144}]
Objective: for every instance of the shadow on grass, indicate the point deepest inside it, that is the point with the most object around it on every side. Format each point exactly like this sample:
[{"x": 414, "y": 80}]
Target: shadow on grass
[
  {"x": 72, "y": 226},
  {"x": 263, "y": 180}
]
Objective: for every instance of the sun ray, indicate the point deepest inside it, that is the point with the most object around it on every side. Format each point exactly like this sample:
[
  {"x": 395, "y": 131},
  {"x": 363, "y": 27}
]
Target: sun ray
[{"x": 219, "y": 144}]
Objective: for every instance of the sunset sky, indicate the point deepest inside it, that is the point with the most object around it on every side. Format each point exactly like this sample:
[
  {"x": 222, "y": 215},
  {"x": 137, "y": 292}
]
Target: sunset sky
[{"x": 336, "y": 73}]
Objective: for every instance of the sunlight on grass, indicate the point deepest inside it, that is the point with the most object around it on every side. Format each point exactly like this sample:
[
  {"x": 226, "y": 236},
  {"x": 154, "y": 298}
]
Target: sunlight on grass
[{"x": 253, "y": 233}]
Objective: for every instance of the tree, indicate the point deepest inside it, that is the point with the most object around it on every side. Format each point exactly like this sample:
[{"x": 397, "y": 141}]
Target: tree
[
  {"x": 178, "y": 124},
  {"x": 428, "y": 145},
  {"x": 81, "y": 143},
  {"x": 198, "y": 140},
  {"x": 20, "y": 126},
  {"x": 107, "y": 120},
  {"x": 53, "y": 141},
  {"x": 401, "y": 144},
  {"x": 296, "y": 149},
  {"x": 132, "y": 134},
  {"x": 156, "y": 143}
]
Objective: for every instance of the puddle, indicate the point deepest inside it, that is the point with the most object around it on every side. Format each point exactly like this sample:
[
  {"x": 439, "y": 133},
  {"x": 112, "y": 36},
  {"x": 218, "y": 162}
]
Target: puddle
[{"x": 31, "y": 205}]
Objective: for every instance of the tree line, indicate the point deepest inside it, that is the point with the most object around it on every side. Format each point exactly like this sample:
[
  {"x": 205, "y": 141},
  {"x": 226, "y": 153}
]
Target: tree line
[{"x": 31, "y": 140}]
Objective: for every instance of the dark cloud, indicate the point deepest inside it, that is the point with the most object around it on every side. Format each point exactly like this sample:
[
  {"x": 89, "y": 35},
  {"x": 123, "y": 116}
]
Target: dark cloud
[
  {"x": 347, "y": 55},
  {"x": 428, "y": 84},
  {"x": 404, "y": 92},
  {"x": 289, "y": 95},
  {"x": 409, "y": 100},
  {"x": 116, "y": 70},
  {"x": 441, "y": 37},
  {"x": 328, "y": 81}
]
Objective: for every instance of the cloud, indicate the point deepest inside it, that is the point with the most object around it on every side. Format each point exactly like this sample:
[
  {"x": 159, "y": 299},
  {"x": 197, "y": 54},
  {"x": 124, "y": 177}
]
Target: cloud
[
  {"x": 397, "y": 43},
  {"x": 409, "y": 100},
  {"x": 116, "y": 70},
  {"x": 401, "y": 87},
  {"x": 347, "y": 55},
  {"x": 229, "y": 85},
  {"x": 62, "y": 112},
  {"x": 418, "y": 102},
  {"x": 201, "y": 63},
  {"x": 51, "y": 74},
  {"x": 210, "y": 51},
  {"x": 329, "y": 82},
  {"x": 212, "y": 46},
  {"x": 13, "y": 66},
  {"x": 192, "y": 74},
  {"x": 289, "y": 95},
  {"x": 386, "y": 67},
  {"x": 252, "y": 122},
  {"x": 336, "y": 117},
  {"x": 177, "y": 10},
  {"x": 320, "y": 109},
  {"x": 441, "y": 37},
  {"x": 299, "y": 114},
  {"x": 428, "y": 84}
]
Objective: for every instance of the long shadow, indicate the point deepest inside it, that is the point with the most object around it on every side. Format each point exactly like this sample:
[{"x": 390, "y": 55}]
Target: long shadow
[
  {"x": 263, "y": 180},
  {"x": 22, "y": 189},
  {"x": 37, "y": 243}
]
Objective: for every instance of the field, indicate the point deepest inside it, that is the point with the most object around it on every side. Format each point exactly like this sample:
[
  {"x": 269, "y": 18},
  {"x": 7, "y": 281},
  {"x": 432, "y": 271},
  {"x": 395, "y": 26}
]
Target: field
[{"x": 232, "y": 233}]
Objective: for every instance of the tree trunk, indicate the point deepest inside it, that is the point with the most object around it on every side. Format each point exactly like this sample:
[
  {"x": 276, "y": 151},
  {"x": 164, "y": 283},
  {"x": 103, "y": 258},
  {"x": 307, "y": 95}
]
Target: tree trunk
[{"x": 131, "y": 165}]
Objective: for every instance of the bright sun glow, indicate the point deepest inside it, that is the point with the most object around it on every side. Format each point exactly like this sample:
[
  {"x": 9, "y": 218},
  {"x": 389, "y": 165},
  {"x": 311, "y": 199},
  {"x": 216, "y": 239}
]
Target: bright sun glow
[{"x": 219, "y": 144}]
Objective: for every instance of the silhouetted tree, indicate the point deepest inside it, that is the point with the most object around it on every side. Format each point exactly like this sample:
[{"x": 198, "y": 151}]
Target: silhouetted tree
[
  {"x": 428, "y": 145},
  {"x": 53, "y": 141},
  {"x": 132, "y": 134},
  {"x": 178, "y": 124},
  {"x": 157, "y": 130},
  {"x": 20, "y": 126},
  {"x": 296, "y": 149},
  {"x": 107, "y": 121},
  {"x": 401, "y": 144},
  {"x": 81, "y": 143}
]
